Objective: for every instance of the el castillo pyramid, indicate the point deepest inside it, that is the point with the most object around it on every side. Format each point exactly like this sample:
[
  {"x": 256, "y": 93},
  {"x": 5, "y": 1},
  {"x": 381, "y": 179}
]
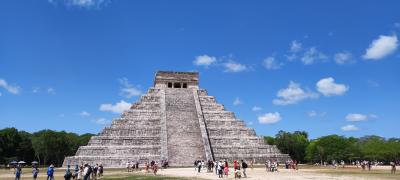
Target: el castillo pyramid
[{"x": 179, "y": 122}]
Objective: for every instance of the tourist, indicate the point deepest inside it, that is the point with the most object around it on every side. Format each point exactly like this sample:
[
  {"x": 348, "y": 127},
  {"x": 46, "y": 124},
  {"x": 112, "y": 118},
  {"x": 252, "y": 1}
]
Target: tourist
[
  {"x": 216, "y": 167},
  {"x": 226, "y": 169},
  {"x": 18, "y": 172},
  {"x": 35, "y": 172},
  {"x": 155, "y": 168},
  {"x": 251, "y": 164},
  {"x": 137, "y": 165},
  {"x": 146, "y": 164},
  {"x": 80, "y": 171},
  {"x": 369, "y": 165},
  {"x": 50, "y": 172},
  {"x": 127, "y": 166},
  {"x": 244, "y": 167},
  {"x": 95, "y": 171},
  {"x": 75, "y": 174},
  {"x": 238, "y": 174},
  {"x": 235, "y": 165},
  {"x": 86, "y": 172},
  {"x": 198, "y": 166},
  {"x": 101, "y": 170},
  {"x": 68, "y": 174},
  {"x": 393, "y": 170},
  {"x": 220, "y": 168}
]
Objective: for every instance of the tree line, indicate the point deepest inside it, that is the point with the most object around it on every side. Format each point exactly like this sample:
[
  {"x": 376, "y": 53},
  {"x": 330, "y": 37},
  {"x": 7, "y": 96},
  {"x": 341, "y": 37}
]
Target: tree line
[
  {"x": 51, "y": 147},
  {"x": 45, "y": 146},
  {"x": 335, "y": 147}
]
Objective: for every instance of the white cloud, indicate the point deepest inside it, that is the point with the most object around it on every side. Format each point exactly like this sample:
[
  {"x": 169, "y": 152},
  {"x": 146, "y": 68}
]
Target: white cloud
[
  {"x": 13, "y": 89},
  {"x": 204, "y": 60},
  {"x": 292, "y": 95},
  {"x": 256, "y": 108},
  {"x": 313, "y": 114},
  {"x": 35, "y": 89},
  {"x": 51, "y": 91},
  {"x": 312, "y": 55},
  {"x": 381, "y": 47},
  {"x": 250, "y": 123},
  {"x": 349, "y": 128},
  {"x": 84, "y": 113},
  {"x": 237, "y": 101},
  {"x": 233, "y": 66},
  {"x": 127, "y": 89},
  {"x": 271, "y": 64},
  {"x": 295, "y": 46},
  {"x": 117, "y": 108},
  {"x": 355, "y": 117},
  {"x": 291, "y": 57},
  {"x": 81, "y": 3},
  {"x": 101, "y": 121},
  {"x": 269, "y": 118},
  {"x": 343, "y": 57},
  {"x": 328, "y": 87},
  {"x": 1, "y": 94}
]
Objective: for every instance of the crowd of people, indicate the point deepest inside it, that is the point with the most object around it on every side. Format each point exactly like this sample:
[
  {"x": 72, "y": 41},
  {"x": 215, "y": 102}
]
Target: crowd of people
[{"x": 221, "y": 168}]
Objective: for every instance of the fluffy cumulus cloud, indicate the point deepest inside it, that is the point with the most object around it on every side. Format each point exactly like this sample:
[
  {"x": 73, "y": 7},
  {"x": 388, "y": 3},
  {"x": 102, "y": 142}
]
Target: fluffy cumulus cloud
[
  {"x": 328, "y": 87},
  {"x": 117, "y": 108},
  {"x": 292, "y": 95},
  {"x": 381, "y": 47},
  {"x": 271, "y": 63},
  {"x": 237, "y": 101},
  {"x": 350, "y": 127},
  {"x": 256, "y": 108},
  {"x": 13, "y": 89},
  {"x": 343, "y": 57},
  {"x": 269, "y": 118},
  {"x": 312, "y": 55},
  {"x": 127, "y": 89},
  {"x": 204, "y": 60},
  {"x": 295, "y": 46},
  {"x": 81, "y": 3},
  {"x": 232, "y": 66}
]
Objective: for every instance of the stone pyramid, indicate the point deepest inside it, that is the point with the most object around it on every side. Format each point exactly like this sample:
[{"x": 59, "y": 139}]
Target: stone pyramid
[{"x": 178, "y": 122}]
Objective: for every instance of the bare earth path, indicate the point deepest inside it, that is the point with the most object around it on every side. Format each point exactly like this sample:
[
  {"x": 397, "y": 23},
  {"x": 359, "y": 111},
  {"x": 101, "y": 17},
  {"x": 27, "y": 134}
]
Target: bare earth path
[{"x": 308, "y": 172}]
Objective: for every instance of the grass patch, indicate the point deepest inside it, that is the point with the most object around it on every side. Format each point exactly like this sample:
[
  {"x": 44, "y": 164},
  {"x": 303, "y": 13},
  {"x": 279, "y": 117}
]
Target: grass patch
[{"x": 144, "y": 177}]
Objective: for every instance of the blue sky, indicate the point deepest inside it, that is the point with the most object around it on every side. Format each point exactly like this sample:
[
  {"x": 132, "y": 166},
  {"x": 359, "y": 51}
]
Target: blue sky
[{"x": 327, "y": 67}]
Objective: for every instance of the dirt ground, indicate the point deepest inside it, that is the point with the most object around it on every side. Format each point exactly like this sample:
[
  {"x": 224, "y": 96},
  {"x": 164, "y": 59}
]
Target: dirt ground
[{"x": 305, "y": 172}]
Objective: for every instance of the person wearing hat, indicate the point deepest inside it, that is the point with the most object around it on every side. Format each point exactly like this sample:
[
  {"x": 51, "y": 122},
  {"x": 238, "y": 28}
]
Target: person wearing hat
[
  {"x": 35, "y": 172},
  {"x": 18, "y": 172}
]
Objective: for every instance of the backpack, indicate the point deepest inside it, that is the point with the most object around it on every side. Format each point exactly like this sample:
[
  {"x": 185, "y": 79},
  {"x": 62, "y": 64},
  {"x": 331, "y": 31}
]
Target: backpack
[
  {"x": 244, "y": 165},
  {"x": 68, "y": 175}
]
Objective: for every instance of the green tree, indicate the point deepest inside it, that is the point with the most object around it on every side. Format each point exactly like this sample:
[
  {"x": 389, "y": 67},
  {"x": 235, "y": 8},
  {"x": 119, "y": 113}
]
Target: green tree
[{"x": 293, "y": 144}]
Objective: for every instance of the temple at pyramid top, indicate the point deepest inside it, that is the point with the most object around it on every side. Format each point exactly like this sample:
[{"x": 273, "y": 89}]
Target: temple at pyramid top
[{"x": 172, "y": 79}]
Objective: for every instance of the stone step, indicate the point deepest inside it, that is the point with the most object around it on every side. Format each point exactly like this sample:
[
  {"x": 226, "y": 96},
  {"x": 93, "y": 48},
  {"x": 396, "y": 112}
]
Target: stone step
[
  {"x": 123, "y": 141},
  {"x": 213, "y": 124},
  {"x": 110, "y": 161},
  {"x": 118, "y": 150},
  {"x": 130, "y": 132}
]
